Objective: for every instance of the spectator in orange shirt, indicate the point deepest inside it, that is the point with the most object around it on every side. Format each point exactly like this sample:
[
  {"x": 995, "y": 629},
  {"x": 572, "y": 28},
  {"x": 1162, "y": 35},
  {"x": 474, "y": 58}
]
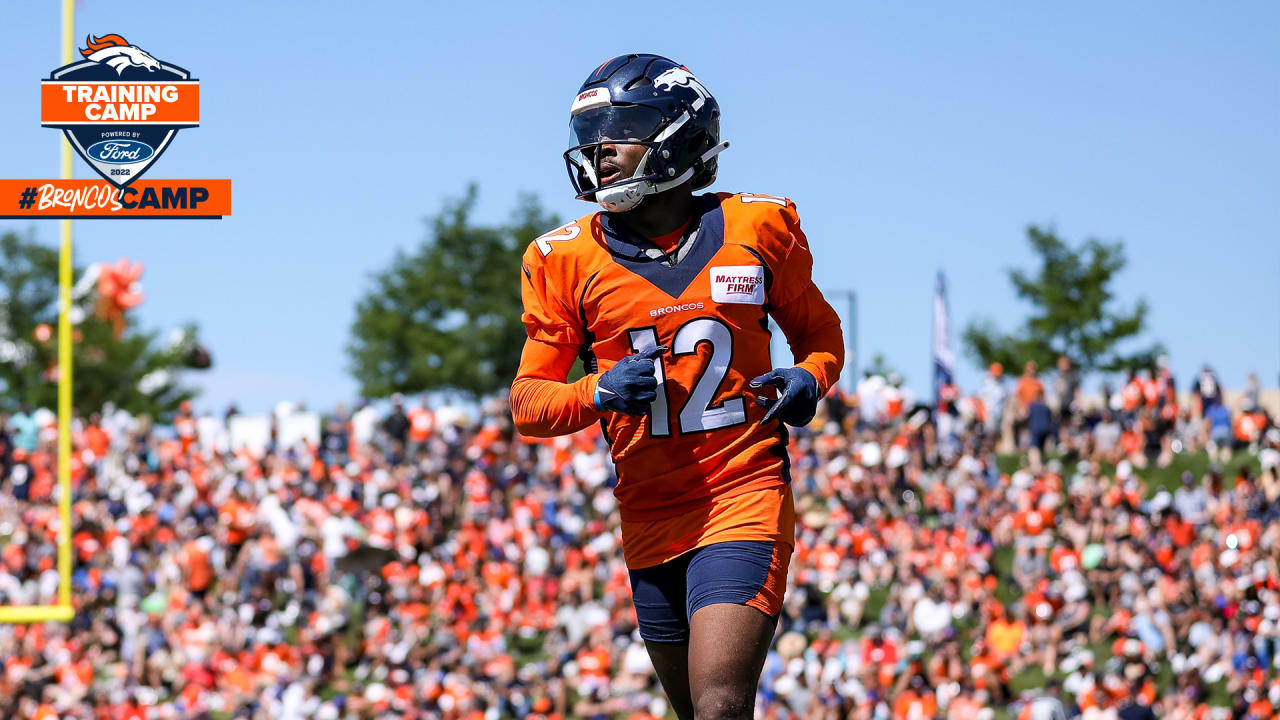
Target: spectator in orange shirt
[
  {"x": 185, "y": 425},
  {"x": 422, "y": 423},
  {"x": 1029, "y": 386},
  {"x": 1248, "y": 428},
  {"x": 238, "y": 517},
  {"x": 990, "y": 674},
  {"x": 196, "y": 568},
  {"x": 965, "y": 706},
  {"x": 95, "y": 438},
  {"x": 917, "y": 702},
  {"x": 1004, "y": 637},
  {"x": 1025, "y": 393}
]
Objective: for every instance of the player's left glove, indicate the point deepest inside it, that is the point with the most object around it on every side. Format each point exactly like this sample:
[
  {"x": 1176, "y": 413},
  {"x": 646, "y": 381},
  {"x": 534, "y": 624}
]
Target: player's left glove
[{"x": 797, "y": 395}]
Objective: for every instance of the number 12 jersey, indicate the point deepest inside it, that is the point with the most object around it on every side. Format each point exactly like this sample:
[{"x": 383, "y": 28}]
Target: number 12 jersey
[{"x": 600, "y": 289}]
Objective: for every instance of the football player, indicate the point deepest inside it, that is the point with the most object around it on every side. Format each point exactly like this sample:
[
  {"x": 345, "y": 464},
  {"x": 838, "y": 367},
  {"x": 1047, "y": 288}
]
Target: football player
[{"x": 666, "y": 296}]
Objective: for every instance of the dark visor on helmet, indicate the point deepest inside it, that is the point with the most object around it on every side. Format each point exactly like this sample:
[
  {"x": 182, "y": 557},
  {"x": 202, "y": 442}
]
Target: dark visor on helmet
[{"x": 614, "y": 122}]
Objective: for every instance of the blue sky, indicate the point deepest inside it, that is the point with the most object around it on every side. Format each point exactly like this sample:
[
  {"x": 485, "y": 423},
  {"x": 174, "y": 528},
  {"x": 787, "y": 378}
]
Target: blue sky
[{"x": 911, "y": 139}]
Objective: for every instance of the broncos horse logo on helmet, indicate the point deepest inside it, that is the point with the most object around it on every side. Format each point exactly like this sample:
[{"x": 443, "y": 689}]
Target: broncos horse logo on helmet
[
  {"x": 115, "y": 51},
  {"x": 682, "y": 76},
  {"x": 644, "y": 100}
]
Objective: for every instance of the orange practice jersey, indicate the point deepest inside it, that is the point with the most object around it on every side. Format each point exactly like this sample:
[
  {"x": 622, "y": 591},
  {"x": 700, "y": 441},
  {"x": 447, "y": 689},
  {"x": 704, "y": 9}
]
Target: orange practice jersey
[{"x": 592, "y": 288}]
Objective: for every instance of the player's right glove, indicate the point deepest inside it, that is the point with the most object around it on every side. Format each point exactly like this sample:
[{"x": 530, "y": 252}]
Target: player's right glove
[{"x": 630, "y": 386}]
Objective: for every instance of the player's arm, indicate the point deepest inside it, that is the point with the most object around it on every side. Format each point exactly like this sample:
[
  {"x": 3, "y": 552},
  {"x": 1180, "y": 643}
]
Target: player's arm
[
  {"x": 810, "y": 324},
  {"x": 542, "y": 403},
  {"x": 812, "y": 328}
]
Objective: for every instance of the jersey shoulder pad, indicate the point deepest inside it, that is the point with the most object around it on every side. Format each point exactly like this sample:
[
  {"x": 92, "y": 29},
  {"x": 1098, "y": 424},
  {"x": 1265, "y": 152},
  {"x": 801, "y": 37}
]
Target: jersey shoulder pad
[
  {"x": 769, "y": 228},
  {"x": 571, "y": 238},
  {"x": 559, "y": 259},
  {"x": 554, "y": 265},
  {"x": 762, "y": 222}
]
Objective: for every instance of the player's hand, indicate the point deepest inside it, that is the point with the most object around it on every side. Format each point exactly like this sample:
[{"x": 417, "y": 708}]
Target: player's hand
[
  {"x": 797, "y": 395},
  {"x": 630, "y": 386}
]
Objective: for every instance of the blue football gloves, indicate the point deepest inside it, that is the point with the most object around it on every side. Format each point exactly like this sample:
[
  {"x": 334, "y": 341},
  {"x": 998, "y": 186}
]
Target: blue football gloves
[
  {"x": 798, "y": 395},
  {"x": 630, "y": 386}
]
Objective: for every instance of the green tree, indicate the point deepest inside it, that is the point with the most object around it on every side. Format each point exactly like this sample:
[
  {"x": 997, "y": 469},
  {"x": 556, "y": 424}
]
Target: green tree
[
  {"x": 447, "y": 316},
  {"x": 880, "y": 366},
  {"x": 1073, "y": 312},
  {"x": 135, "y": 371}
]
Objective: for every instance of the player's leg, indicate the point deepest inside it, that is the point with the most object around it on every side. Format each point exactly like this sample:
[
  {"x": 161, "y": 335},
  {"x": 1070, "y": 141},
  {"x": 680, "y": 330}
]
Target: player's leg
[
  {"x": 727, "y": 651},
  {"x": 735, "y": 595},
  {"x": 659, "y": 594},
  {"x": 671, "y": 663}
]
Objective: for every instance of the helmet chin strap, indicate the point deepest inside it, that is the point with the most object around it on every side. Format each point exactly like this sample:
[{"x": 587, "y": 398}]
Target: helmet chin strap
[{"x": 627, "y": 195}]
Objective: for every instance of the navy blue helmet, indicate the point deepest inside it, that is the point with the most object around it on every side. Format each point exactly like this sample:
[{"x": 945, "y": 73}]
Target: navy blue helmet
[{"x": 644, "y": 100}]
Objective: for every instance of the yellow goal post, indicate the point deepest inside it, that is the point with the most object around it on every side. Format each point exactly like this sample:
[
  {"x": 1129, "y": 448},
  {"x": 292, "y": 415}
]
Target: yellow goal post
[{"x": 63, "y": 611}]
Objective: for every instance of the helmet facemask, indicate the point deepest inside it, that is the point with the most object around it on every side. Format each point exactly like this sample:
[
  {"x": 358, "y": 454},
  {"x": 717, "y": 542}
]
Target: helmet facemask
[
  {"x": 652, "y": 175},
  {"x": 642, "y": 100},
  {"x": 592, "y": 129}
]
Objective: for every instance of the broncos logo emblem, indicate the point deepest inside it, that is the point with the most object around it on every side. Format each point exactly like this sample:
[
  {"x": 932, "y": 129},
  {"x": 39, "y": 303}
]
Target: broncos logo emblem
[
  {"x": 681, "y": 76},
  {"x": 115, "y": 51}
]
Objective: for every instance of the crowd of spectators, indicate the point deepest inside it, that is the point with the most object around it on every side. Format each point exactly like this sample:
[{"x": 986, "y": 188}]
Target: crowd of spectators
[{"x": 426, "y": 562}]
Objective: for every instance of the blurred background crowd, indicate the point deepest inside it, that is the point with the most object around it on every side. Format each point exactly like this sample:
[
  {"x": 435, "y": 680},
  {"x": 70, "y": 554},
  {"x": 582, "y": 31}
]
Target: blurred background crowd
[{"x": 1023, "y": 550}]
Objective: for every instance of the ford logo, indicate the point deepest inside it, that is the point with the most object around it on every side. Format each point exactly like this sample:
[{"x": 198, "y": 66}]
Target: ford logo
[{"x": 120, "y": 152}]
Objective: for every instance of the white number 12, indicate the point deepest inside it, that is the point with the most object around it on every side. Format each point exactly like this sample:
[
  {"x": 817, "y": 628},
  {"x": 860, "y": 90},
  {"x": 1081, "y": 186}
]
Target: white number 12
[{"x": 697, "y": 415}]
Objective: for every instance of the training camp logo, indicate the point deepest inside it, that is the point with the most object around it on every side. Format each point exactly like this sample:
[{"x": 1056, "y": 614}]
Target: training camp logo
[{"x": 119, "y": 107}]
